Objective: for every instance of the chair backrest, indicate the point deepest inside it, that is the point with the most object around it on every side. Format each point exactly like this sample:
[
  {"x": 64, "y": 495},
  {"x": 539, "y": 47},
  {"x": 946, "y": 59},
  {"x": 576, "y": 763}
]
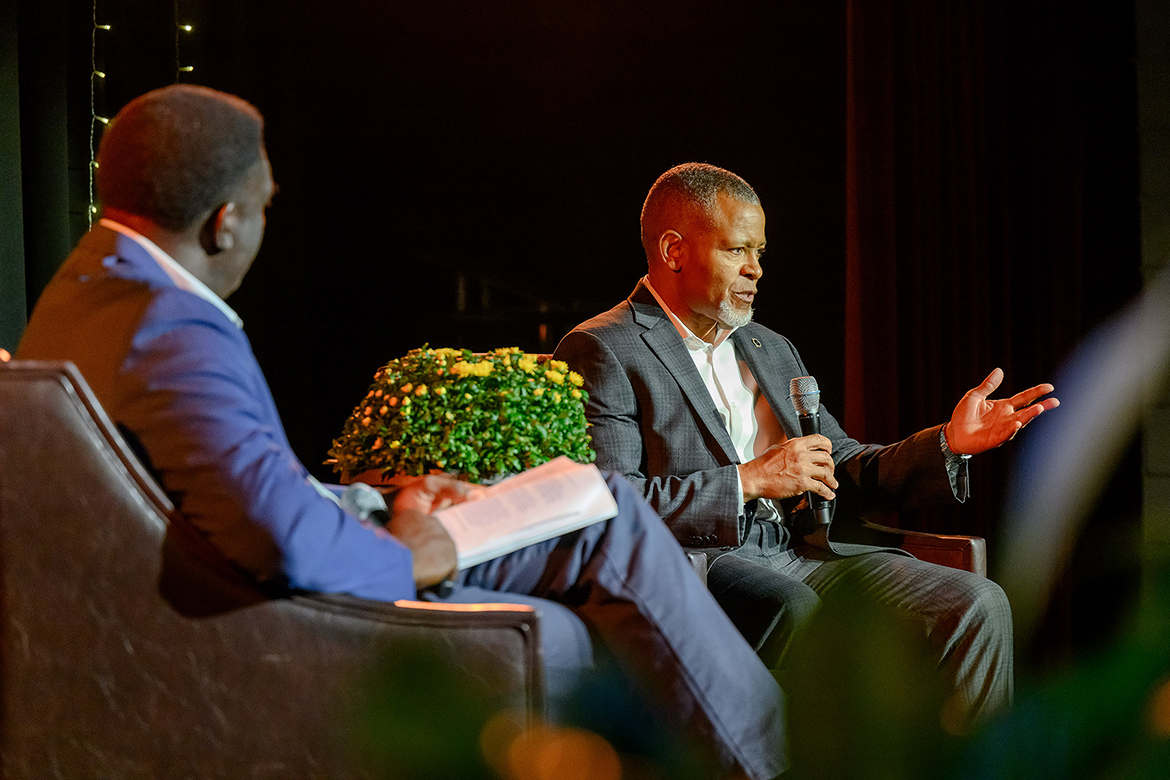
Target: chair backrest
[{"x": 130, "y": 649}]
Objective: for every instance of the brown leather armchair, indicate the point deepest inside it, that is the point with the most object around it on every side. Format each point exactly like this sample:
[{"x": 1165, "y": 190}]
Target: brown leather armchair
[
  {"x": 131, "y": 649},
  {"x": 959, "y": 552}
]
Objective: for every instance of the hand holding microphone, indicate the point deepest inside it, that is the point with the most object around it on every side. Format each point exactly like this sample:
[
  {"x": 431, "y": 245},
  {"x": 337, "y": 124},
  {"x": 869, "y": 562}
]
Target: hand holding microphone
[
  {"x": 806, "y": 400},
  {"x": 800, "y": 465},
  {"x": 432, "y": 550}
]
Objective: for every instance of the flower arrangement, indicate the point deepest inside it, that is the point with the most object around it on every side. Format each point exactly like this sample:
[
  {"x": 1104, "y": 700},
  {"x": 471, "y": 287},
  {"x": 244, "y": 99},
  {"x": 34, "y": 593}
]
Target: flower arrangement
[{"x": 480, "y": 416}]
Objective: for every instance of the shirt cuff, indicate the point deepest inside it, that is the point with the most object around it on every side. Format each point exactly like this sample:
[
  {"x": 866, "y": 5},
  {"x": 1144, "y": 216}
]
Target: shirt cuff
[{"x": 956, "y": 467}]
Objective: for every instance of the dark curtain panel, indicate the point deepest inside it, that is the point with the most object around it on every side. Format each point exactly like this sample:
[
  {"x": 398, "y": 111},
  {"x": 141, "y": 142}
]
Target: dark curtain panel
[
  {"x": 12, "y": 306},
  {"x": 991, "y": 207}
]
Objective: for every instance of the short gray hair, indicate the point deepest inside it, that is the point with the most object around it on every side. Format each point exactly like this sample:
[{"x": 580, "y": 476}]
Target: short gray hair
[{"x": 693, "y": 185}]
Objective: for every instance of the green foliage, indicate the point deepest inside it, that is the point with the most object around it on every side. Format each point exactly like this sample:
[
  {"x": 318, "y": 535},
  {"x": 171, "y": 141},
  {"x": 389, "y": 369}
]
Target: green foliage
[{"x": 478, "y": 416}]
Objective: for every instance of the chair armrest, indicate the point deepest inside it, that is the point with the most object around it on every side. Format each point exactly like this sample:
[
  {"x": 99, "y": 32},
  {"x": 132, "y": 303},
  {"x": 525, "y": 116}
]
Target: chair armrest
[
  {"x": 698, "y": 561},
  {"x": 959, "y": 552},
  {"x": 502, "y": 637}
]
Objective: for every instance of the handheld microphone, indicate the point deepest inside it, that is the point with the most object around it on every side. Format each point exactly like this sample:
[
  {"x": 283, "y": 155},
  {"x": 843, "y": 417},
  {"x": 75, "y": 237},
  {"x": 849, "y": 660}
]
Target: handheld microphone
[
  {"x": 369, "y": 505},
  {"x": 365, "y": 503},
  {"x": 806, "y": 400}
]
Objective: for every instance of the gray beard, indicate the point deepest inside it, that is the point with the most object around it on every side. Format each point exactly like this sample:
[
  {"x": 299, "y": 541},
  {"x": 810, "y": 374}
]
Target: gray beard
[{"x": 730, "y": 317}]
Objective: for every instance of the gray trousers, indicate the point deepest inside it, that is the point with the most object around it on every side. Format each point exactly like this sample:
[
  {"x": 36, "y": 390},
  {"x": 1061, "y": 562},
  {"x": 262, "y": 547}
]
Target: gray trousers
[
  {"x": 770, "y": 593},
  {"x": 628, "y": 582}
]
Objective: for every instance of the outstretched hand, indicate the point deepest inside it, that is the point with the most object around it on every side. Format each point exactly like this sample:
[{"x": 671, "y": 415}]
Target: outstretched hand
[{"x": 979, "y": 424}]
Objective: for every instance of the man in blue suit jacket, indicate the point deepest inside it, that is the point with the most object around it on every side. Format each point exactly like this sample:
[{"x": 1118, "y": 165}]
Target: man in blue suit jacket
[{"x": 184, "y": 182}]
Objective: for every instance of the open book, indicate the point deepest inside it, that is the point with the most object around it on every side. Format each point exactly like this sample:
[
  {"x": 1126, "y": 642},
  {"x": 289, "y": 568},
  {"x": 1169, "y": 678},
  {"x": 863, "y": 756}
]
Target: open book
[{"x": 552, "y": 499}]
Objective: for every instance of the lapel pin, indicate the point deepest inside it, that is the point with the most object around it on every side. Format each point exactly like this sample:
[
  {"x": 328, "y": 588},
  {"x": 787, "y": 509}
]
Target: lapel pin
[{"x": 756, "y": 342}]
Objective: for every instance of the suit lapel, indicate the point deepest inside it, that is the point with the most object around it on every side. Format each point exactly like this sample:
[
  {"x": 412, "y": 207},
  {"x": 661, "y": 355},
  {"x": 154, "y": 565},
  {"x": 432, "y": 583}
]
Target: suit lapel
[
  {"x": 771, "y": 374},
  {"x": 663, "y": 340}
]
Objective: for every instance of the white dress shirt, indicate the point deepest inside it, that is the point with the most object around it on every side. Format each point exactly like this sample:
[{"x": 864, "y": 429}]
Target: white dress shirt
[{"x": 745, "y": 411}]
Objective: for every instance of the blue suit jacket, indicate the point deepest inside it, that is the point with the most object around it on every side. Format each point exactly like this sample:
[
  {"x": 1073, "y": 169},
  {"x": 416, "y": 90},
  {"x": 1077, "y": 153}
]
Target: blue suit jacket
[{"x": 181, "y": 381}]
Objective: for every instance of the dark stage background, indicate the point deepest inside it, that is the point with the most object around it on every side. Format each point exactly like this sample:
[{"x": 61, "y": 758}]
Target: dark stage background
[
  {"x": 502, "y": 151},
  {"x": 947, "y": 190}
]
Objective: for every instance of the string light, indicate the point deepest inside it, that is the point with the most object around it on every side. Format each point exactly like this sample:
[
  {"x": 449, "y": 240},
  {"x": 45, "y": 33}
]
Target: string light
[
  {"x": 180, "y": 68},
  {"x": 97, "y": 75},
  {"x": 96, "y": 119}
]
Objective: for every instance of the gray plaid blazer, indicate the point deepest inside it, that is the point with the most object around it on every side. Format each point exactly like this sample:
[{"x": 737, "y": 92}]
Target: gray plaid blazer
[{"x": 654, "y": 421}]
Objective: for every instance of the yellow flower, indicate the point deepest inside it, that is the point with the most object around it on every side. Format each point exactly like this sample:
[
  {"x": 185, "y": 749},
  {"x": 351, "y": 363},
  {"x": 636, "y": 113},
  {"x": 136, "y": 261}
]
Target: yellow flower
[
  {"x": 420, "y": 391},
  {"x": 557, "y": 397},
  {"x": 576, "y": 379},
  {"x": 527, "y": 364},
  {"x": 482, "y": 368},
  {"x": 440, "y": 391},
  {"x": 558, "y": 365},
  {"x": 462, "y": 368},
  {"x": 576, "y": 395},
  {"x": 467, "y": 396},
  {"x": 405, "y": 402},
  {"x": 395, "y": 444},
  {"x": 538, "y": 392},
  {"x": 555, "y": 376}
]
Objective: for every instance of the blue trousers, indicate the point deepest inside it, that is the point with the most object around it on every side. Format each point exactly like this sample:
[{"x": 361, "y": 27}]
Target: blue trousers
[{"x": 627, "y": 582}]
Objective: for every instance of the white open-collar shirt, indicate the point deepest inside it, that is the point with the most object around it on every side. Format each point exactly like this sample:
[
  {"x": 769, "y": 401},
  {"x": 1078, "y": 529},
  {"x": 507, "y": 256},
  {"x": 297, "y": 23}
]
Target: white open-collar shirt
[{"x": 745, "y": 411}]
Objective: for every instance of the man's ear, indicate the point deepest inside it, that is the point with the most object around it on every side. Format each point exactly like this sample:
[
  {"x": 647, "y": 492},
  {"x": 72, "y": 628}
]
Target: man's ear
[
  {"x": 218, "y": 232},
  {"x": 670, "y": 249}
]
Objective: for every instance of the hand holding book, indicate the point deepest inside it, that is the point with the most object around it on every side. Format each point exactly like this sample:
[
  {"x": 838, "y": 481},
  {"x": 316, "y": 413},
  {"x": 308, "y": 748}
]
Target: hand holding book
[
  {"x": 413, "y": 523},
  {"x": 552, "y": 499}
]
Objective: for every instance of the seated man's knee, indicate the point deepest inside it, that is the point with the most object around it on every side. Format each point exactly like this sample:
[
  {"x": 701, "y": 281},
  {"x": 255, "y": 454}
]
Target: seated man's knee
[
  {"x": 989, "y": 605},
  {"x": 768, "y": 609}
]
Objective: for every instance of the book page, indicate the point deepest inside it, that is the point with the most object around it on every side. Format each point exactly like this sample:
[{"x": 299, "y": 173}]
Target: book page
[{"x": 550, "y": 500}]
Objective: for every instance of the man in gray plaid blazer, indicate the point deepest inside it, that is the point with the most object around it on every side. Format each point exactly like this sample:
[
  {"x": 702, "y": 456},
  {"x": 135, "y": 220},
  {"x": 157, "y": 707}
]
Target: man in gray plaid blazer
[{"x": 689, "y": 400}]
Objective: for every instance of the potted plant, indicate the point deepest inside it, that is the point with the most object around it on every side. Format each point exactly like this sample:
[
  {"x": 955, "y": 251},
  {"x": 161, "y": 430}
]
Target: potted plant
[{"x": 480, "y": 416}]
